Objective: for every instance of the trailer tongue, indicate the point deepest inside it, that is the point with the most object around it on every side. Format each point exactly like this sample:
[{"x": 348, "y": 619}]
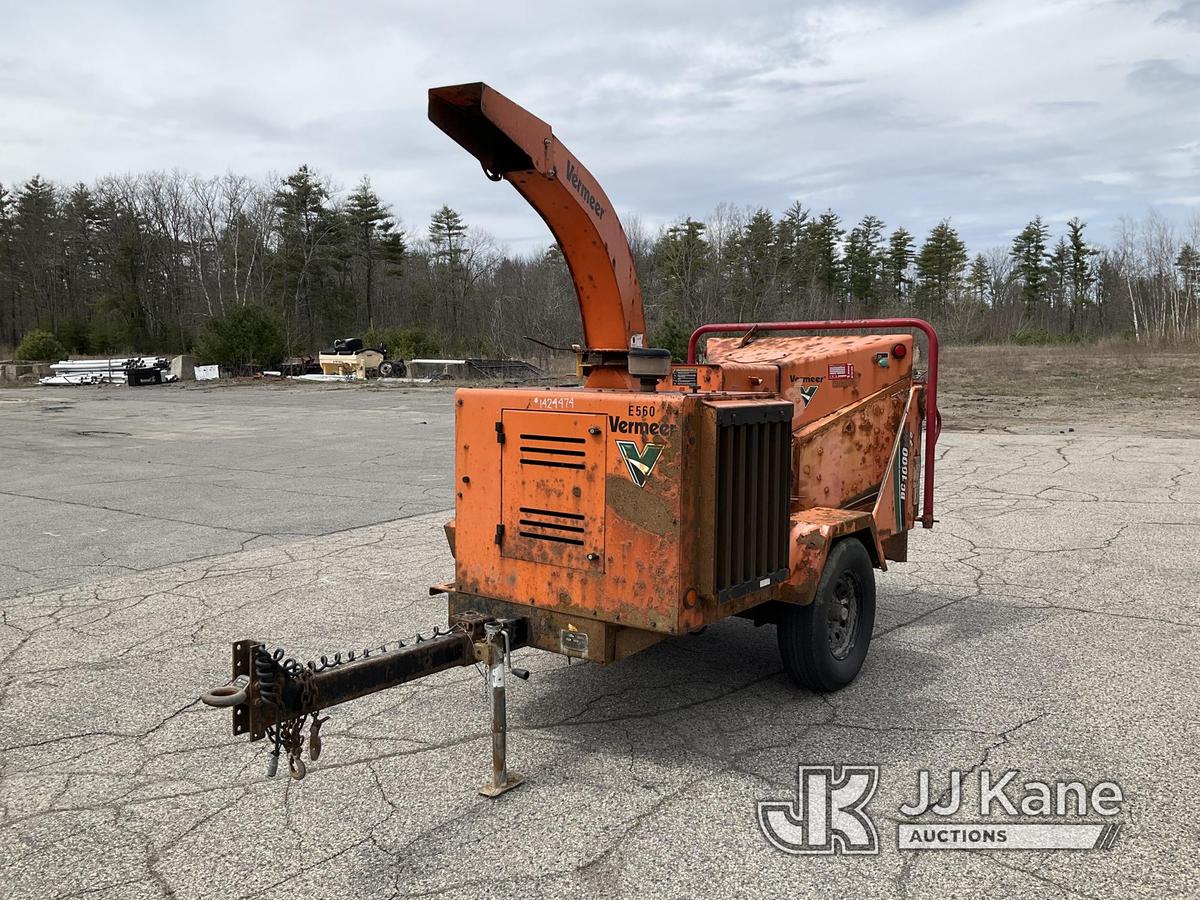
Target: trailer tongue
[
  {"x": 768, "y": 480},
  {"x": 281, "y": 696}
]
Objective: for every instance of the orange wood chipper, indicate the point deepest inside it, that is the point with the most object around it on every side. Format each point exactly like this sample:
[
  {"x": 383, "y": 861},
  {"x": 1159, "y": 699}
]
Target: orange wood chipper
[{"x": 768, "y": 481}]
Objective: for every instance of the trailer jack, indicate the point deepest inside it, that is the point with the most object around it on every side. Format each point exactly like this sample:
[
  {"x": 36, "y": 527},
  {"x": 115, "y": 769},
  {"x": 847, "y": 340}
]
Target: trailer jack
[
  {"x": 274, "y": 696},
  {"x": 497, "y": 650}
]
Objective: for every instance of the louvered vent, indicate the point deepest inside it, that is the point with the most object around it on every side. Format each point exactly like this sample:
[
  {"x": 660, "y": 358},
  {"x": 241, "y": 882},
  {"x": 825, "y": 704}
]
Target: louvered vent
[
  {"x": 552, "y": 451},
  {"x": 549, "y": 525},
  {"x": 754, "y": 480}
]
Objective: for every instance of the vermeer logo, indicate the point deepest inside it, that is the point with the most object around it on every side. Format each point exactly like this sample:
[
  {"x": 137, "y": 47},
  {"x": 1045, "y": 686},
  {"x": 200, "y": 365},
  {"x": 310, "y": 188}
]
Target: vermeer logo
[
  {"x": 581, "y": 189},
  {"x": 807, "y": 393},
  {"x": 640, "y": 426},
  {"x": 639, "y": 462}
]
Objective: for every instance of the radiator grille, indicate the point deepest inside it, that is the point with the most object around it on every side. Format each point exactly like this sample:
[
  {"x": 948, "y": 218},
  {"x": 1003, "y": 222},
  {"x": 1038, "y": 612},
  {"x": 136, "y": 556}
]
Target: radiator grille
[{"x": 753, "y": 481}]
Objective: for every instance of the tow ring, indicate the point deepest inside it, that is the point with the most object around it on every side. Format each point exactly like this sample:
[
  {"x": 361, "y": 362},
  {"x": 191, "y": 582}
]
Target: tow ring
[{"x": 225, "y": 695}]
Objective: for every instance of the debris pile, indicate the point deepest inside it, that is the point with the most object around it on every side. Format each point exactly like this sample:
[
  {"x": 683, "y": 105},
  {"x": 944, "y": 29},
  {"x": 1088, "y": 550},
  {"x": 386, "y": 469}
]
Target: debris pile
[{"x": 124, "y": 370}]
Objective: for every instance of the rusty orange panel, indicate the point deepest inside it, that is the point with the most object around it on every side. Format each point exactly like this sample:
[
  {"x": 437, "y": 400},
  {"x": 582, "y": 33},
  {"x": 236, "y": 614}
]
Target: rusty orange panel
[
  {"x": 552, "y": 488},
  {"x": 895, "y": 507},
  {"x": 840, "y": 460},
  {"x": 689, "y": 378},
  {"x": 731, "y": 377},
  {"x": 813, "y": 531},
  {"x": 822, "y": 374},
  {"x": 638, "y": 481}
]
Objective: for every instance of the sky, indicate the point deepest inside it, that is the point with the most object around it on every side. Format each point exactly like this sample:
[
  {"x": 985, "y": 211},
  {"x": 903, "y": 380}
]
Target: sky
[{"x": 987, "y": 113}]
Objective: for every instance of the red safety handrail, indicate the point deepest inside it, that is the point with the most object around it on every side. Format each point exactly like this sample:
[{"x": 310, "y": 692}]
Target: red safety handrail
[{"x": 933, "y": 418}]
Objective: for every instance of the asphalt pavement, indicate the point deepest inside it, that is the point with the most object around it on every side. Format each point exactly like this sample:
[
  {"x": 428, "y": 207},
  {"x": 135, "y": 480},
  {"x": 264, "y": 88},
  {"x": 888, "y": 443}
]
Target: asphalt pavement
[
  {"x": 1048, "y": 624},
  {"x": 100, "y": 481}
]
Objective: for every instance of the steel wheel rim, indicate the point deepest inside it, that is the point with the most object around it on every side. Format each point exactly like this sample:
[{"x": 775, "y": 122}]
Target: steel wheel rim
[{"x": 844, "y": 607}]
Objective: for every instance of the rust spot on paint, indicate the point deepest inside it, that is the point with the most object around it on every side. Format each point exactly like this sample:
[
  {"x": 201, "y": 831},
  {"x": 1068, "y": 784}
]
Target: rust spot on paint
[{"x": 638, "y": 506}]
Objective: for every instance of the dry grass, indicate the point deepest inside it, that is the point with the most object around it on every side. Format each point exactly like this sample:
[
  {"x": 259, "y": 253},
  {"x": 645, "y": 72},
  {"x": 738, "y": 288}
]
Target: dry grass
[
  {"x": 1073, "y": 372},
  {"x": 1116, "y": 384}
]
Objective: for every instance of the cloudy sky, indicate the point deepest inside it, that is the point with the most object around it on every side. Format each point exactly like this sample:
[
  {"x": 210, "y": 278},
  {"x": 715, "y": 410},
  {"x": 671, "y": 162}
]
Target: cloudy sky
[{"x": 985, "y": 112}]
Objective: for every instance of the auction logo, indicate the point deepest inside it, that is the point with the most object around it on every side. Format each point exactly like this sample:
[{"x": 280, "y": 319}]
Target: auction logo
[{"x": 828, "y": 815}]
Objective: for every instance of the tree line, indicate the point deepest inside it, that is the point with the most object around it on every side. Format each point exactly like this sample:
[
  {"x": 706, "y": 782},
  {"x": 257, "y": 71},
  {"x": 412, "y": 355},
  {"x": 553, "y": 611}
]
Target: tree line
[{"x": 161, "y": 262}]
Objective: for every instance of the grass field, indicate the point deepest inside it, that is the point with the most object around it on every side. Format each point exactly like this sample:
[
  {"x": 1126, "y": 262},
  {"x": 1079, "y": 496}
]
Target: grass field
[{"x": 1101, "y": 385}]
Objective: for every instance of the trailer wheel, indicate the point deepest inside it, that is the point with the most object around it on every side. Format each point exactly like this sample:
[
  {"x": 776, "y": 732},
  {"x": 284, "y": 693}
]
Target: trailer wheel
[{"x": 824, "y": 643}]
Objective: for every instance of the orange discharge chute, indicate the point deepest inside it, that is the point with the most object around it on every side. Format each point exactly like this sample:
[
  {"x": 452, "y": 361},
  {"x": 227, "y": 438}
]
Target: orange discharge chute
[{"x": 517, "y": 146}]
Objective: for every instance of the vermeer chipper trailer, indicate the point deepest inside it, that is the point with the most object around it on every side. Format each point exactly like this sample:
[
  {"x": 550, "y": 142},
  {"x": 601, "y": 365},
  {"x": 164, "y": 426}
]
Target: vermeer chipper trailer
[{"x": 768, "y": 481}]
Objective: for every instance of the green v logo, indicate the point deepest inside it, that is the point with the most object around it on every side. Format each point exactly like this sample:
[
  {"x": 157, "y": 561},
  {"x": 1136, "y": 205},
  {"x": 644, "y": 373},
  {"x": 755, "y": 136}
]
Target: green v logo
[
  {"x": 639, "y": 462},
  {"x": 807, "y": 393}
]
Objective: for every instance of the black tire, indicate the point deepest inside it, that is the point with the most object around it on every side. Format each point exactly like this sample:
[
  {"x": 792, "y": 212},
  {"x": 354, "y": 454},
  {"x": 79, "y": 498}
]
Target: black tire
[{"x": 824, "y": 644}]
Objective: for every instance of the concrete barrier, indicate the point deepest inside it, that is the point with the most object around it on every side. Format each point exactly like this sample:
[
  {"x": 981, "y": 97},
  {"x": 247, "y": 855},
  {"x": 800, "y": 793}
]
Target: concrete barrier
[
  {"x": 184, "y": 367},
  {"x": 24, "y": 371}
]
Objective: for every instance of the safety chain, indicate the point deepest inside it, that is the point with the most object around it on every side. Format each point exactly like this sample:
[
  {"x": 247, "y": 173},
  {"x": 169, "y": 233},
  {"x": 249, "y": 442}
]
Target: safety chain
[{"x": 271, "y": 666}]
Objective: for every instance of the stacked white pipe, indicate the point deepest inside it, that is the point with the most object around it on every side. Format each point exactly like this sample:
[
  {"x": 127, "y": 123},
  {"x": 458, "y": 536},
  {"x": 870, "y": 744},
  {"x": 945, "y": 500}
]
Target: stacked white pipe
[{"x": 101, "y": 371}]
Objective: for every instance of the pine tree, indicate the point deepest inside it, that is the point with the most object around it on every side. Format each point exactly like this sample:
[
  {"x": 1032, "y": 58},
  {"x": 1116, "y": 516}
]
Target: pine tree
[
  {"x": 38, "y": 248},
  {"x": 794, "y": 266},
  {"x": 8, "y": 275},
  {"x": 1029, "y": 252},
  {"x": 1060, "y": 275},
  {"x": 823, "y": 238},
  {"x": 1188, "y": 264},
  {"x": 681, "y": 259},
  {"x": 448, "y": 249},
  {"x": 82, "y": 221},
  {"x": 447, "y": 235},
  {"x": 1082, "y": 274},
  {"x": 755, "y": 265},
  {"x": 900, "y": 256},
  {"x": 940, "y": 265},
  {"x": 865, "y": 262},
  {"x": 306, "y": 230},
  {"x": 372, "y": 237},
  {"x": 980, "y": 278}
]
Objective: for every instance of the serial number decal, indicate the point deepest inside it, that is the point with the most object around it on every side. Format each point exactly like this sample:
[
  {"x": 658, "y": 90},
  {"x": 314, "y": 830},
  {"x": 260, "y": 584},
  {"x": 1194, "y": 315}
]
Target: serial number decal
[
  {"x": 554, "y": 402},
  {"x": 685, "y": 377}
]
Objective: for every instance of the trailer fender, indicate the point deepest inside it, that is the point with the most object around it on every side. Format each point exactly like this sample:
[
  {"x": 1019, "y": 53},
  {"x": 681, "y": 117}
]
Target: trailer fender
[{"x": 813, "y": 533}]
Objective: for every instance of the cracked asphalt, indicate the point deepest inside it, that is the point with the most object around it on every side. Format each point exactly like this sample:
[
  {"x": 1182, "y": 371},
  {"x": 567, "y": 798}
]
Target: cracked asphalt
[{"x": 1047, "y": 624}]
